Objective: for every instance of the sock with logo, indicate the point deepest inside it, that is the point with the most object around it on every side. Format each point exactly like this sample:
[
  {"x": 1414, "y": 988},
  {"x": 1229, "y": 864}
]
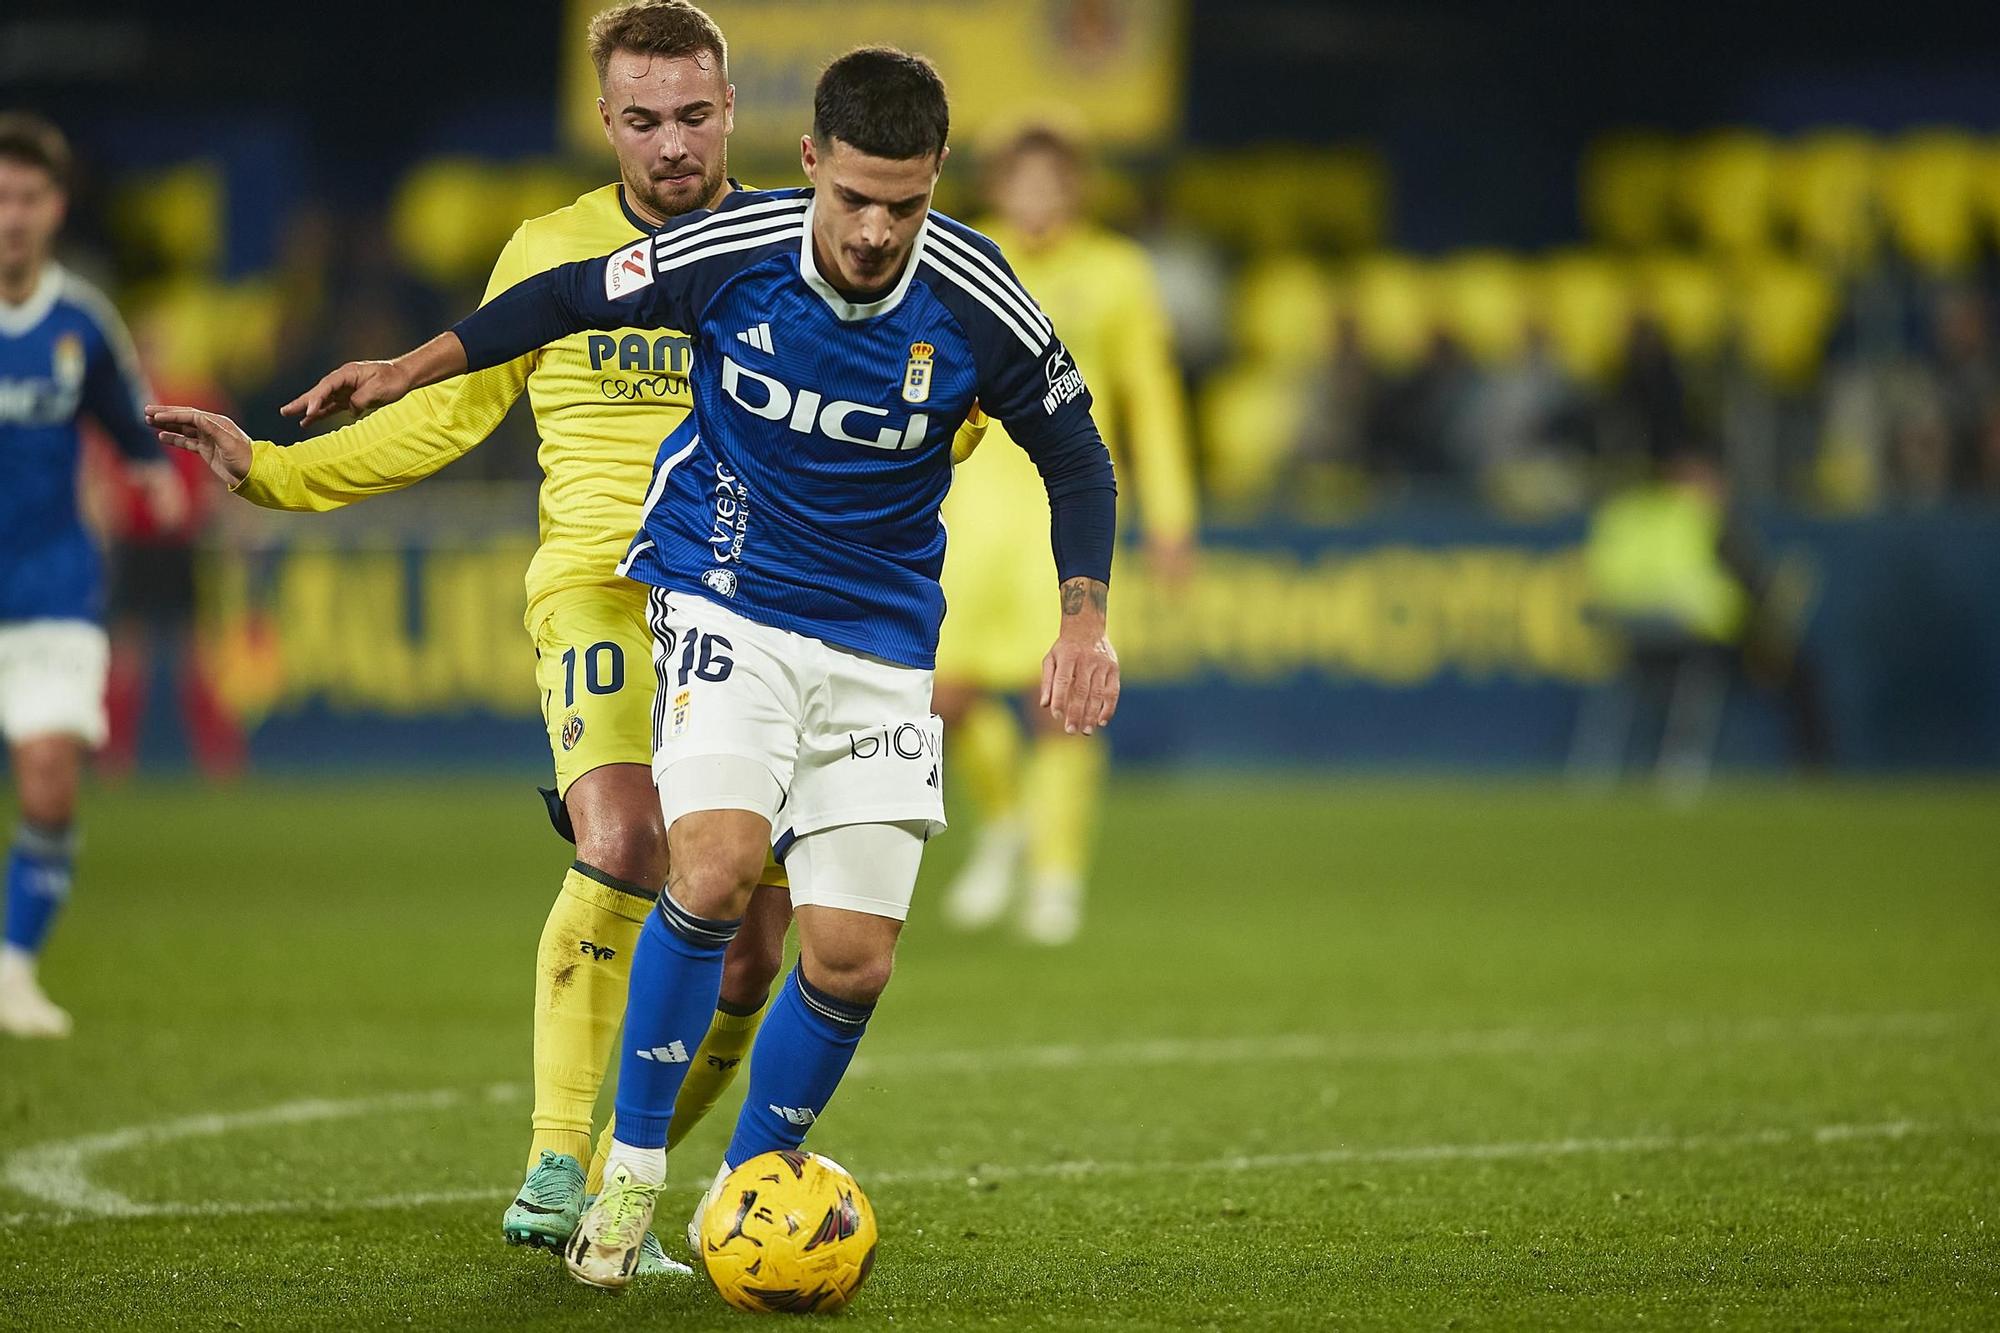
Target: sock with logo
[
  {"x": 709, "y": 1075},
  {"x": 676, "y": 980},
  {"x": 806, "y": 1045},
  {"x": 986, "y": 755},
  {"x": 1064, "y": 781},
  {"x": 38, "y": 880},
  {"x": 581, "y": 968}
]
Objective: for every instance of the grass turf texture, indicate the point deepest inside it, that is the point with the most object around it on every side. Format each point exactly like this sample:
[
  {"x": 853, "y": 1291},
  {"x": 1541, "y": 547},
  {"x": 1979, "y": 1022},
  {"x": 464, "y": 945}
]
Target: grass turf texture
[{"x": 1473, "y": 1056}]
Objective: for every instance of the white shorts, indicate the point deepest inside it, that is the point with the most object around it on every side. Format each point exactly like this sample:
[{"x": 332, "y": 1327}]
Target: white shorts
[
  {"x": 846, "y": 738},
  {"x": 52, "y": 679}
]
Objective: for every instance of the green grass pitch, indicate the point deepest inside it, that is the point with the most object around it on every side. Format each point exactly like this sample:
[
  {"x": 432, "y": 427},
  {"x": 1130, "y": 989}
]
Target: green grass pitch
[{"x": 1332, "y": 1054}]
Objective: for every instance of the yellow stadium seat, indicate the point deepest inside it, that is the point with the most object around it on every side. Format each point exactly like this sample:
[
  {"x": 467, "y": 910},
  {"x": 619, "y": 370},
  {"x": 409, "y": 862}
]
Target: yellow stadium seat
[
  {"x": 1784, "y": 310},
  {"x": 1484, "y": 298},
  {"x": 1927, "y": 187},
  {"x": 1249, "y": 416},
  {"x": 1724, "y": 188},
  {"x": 1627, "y": 188},
  {"x": 1586, "y": 303},
  {"x": 450, "y": 216},
  {"x": 1826, "y": 195},
  {"x": 1284, "y": 312},
  {"x": 1342, "y": 197},
  {"x": 1688, "y": 296},
  {"x": 1394, "y": 302},
  {"x": 1208, "y": 190},
  {"x": 179, "y": 216}
]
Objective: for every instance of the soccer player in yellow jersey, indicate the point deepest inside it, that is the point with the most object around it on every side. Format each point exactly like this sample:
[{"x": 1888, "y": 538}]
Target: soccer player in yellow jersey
[
  {"x": 602, "y": 403},
  {"x": 1098, "y": 288}
]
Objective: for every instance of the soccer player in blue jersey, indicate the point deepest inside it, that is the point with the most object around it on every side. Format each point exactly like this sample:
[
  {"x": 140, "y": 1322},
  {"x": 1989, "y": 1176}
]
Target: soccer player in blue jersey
[
  {"x": 793, "y": 542},
  {"x": 63, "y": 354}
]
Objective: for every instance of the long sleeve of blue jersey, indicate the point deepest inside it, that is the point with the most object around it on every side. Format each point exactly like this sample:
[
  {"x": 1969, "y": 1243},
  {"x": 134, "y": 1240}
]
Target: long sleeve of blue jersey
[
  {"x": 114, "y": 386},
  {"x": 1028, "y": 380},
  {"x": 658, "y": 282}
]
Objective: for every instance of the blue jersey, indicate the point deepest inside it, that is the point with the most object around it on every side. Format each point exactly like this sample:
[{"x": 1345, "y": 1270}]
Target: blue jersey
[
  {"x": 63, "y": 352},
  {"x": 804, "y": 488}
]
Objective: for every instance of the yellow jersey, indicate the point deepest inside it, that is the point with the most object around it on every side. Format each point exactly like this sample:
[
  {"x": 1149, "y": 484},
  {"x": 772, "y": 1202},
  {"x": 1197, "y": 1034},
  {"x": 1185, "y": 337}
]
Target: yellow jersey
[
  {"x": 602, "y": 404},
  {"x": 1098, "y": 289}
]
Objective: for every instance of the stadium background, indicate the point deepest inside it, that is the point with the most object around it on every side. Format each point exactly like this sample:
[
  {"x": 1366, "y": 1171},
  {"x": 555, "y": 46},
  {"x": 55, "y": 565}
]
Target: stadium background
[
  {"x": 1442, "y": 280},
  {"x": 1335, "y": 1050}
]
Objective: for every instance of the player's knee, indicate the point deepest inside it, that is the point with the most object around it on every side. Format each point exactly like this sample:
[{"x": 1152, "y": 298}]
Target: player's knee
[
  {"x": 630, "y": 850},
  {"x": 47, "y": 779},
  {"x": 714, "y": 877},
  {"x": 859, "y": 976}
]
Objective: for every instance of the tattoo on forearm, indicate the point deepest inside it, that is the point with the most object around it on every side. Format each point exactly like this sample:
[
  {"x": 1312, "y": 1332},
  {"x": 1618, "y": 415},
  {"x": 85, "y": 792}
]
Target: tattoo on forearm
[{"x": 1080, "y": 592}]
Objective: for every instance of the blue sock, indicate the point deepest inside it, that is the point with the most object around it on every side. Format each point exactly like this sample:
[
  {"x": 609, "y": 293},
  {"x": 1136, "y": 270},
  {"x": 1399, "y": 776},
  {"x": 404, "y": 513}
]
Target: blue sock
[
  {"x": 38, "y": 875},
  {"x": 676, "y": 980},
  {"x": 804, "y": 1047}
]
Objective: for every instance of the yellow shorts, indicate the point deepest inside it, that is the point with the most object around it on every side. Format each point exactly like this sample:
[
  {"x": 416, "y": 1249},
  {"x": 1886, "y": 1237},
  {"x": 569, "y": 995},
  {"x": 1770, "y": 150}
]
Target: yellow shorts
[{"x": 594, "y": 664}]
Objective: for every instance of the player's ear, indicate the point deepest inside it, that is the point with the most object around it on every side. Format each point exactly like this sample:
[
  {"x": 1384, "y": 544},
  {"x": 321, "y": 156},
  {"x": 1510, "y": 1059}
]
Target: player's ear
[
  {"x": 943, "y": 153},
  {"x": 604, "y": 114},
  {"x": 729, "y": 111},
  {"x": 808, "y": 159}
]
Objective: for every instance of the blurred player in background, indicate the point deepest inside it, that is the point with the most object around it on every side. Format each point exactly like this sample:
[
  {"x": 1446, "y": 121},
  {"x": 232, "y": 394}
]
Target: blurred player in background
[
  {"x": 1099, "y": 289},
  {"x": 63, "y": 354},
  {"x": 602, "y": 404}
]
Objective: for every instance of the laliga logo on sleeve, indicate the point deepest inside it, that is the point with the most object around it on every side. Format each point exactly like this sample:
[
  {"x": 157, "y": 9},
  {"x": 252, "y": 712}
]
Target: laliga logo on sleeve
[{"x": 628, "y": 270}]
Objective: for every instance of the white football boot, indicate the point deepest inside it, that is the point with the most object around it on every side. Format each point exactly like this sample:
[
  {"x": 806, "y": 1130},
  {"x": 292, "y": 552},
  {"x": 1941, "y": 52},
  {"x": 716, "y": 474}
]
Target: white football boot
[
  {"x": 24, "y": 1010},
  {"x": 701, "y": 1209},
  {"x": 1053, "y": 912},
  {"x": 979, "y": 895},
  {"x": 604, "y": 1252}
]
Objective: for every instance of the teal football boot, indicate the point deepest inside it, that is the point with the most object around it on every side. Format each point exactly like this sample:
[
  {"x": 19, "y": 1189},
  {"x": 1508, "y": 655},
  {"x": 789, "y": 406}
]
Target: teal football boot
[{"x": 550, "y": 1201}]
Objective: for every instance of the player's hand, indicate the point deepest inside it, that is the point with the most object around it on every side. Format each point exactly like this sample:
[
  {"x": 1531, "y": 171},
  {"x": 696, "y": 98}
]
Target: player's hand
[
  {"x": 1080, "y": 674},
  {"x": 358, "y": 387},
  {"x": 220, "y": 441}
]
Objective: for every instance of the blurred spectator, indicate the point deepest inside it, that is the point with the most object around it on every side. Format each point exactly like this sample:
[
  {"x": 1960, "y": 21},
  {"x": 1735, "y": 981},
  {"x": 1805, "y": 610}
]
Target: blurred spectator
[{"x": 1677, "y": 570}]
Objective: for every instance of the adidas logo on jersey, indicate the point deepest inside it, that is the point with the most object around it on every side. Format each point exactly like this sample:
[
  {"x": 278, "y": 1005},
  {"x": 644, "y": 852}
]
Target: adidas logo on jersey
[
  {"x": 674, "y": 1053},
  {"x": 807, "y": 413},
  {"x": 797, "y": 1115},
  {"x": 759, "y": 338}
]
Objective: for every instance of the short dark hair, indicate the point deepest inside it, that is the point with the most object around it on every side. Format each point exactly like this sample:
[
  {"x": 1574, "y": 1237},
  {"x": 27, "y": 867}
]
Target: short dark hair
[
  {"x": 884, "y": 102},
  {"x": 26, "y": 137},
  {"x": 1041, "y": 137},
  {"x": 666, "y": 28}
]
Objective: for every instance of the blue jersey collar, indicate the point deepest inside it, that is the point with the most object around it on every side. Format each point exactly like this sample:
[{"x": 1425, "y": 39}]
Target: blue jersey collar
[
  {"x": 843, "y": 309},
  {"x": 16, "y": 320}
]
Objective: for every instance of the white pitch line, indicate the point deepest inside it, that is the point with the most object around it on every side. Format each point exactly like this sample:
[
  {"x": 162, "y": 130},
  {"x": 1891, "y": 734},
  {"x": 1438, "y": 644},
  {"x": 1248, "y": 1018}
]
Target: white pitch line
[
  {"x": 1408, "y": 1045},
  {"x": 1235, "y": 1163},
  {"x": 58, "y": 1172}
]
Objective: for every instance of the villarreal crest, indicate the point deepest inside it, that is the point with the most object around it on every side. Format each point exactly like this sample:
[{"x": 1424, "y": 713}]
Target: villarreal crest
[{"x": 917, "y": 374}]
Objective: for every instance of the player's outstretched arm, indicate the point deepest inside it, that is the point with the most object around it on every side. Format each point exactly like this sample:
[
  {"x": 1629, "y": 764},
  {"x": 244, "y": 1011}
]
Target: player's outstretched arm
[
  {"x": 361, "y": 386},
  {"x": 1080, "y": 679},
  {"x": 220, "y": 441}
]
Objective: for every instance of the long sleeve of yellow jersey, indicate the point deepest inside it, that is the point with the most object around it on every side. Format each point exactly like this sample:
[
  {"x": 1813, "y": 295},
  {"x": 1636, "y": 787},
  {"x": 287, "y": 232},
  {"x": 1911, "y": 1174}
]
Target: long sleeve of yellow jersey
[
  {"x": 1151, "y": 405},
  {"x": 401, "y": 443}
]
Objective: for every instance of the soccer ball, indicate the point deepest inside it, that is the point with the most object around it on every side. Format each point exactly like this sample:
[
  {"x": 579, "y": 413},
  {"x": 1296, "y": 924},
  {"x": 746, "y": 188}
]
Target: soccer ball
[{"x": 788, "y": 1233}]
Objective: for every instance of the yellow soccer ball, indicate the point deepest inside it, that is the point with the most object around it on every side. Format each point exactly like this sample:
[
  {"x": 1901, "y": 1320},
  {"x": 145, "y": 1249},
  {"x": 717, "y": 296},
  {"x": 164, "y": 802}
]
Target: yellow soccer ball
[{"x": 788, "y": 1233}]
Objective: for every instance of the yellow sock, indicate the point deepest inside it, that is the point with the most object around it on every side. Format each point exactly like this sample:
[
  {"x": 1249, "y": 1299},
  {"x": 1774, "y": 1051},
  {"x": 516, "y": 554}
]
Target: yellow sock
[
  {"x": 986, "y": 752},
  {"x": 581, "y": 971},
  {"x": 709, "y": 1075},
  {"x": 1064, "y": 779}
]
